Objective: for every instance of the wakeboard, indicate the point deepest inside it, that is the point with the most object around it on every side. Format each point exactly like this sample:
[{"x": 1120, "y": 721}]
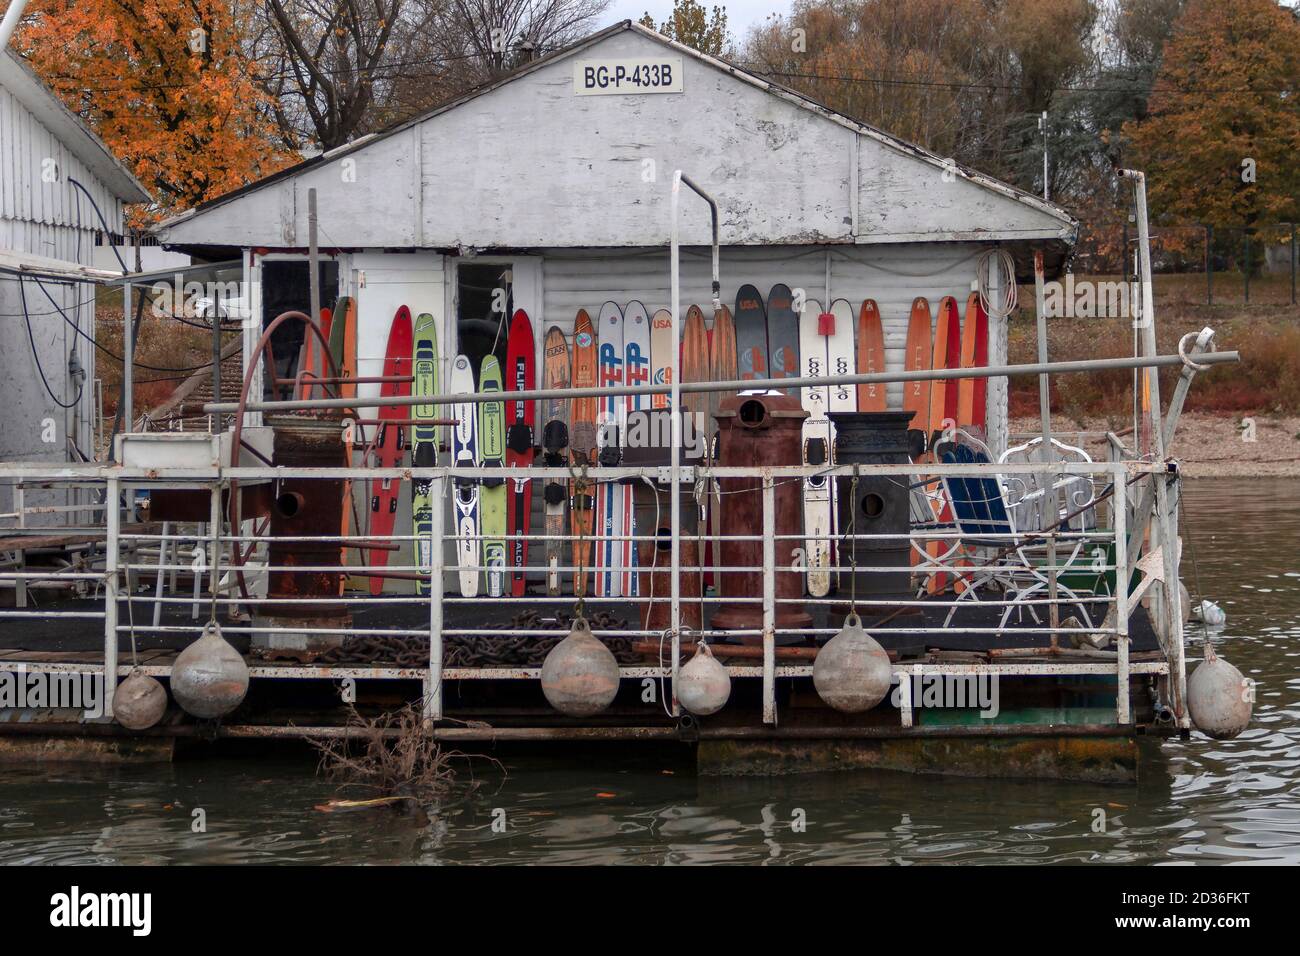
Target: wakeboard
[
  {"x": 783, "y": 337},
  {"x": 609, "y": 495},
  {"x": 424, "y": 440},
  {"x": 464, "y": 454},
  {"x": 520, "y": 420},
  {"x": 492, "y": 496},
  {"x": 816, "y": 450},
  {"x": 750, "y": 322},
  {"x": 390, "y": 443}
]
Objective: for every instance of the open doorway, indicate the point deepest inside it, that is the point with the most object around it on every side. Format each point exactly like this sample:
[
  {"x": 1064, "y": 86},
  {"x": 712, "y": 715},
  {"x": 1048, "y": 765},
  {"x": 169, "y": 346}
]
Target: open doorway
[{"x": 484, "y": 304}]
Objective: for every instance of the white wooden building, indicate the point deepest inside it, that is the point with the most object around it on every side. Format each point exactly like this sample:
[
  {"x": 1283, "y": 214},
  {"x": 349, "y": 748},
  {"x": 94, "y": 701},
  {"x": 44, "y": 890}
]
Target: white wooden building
[
  {"x": 47, "y": 233},
  {"x": 563, "y": 186}
]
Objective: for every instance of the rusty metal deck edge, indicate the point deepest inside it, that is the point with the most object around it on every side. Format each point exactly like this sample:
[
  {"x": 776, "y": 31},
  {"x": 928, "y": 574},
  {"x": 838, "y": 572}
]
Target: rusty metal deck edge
[{"x": 570, "y": 734}]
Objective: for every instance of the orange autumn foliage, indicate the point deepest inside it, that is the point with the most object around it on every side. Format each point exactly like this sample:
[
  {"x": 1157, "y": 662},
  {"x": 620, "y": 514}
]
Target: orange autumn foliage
[{"x": 166, "y": 85}]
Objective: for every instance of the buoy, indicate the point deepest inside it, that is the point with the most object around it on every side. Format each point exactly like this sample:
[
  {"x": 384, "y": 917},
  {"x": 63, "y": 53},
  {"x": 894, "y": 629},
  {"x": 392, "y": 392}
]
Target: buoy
[
  {"x": 580, "y": 674},
  {"x": 852, "y": 672},
  {"x": 1219, "y": 698},
  {"x": 139, "y": 701},
  {"x": 703, "y": 685},
  {"x": 209, "y": 678}
]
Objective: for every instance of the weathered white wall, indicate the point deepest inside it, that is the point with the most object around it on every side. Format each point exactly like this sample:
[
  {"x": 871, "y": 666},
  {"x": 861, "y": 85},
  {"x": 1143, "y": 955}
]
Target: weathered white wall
[
  {"x": 529, "y": 164},
  {"x": 45, "y": 215}
]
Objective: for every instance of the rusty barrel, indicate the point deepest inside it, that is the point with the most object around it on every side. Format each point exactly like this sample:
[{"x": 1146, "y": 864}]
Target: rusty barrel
[
  {"x": 656, "y": 558},
  {"x": 758, "y": 429},
  {"x": 307, "y": 506}
]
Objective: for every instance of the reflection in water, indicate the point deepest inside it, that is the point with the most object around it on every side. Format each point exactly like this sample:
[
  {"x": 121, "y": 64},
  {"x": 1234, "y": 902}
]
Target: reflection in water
[{"x": 1200, "y": 801}]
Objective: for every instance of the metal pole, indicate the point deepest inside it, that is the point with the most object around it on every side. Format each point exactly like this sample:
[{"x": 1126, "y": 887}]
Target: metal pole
[
  {"x": 114, "y": 516},
  {"x": 769, "y": 601},
  {"x": 739, "y": 385},
  {"x": 1123, "y": 713},
  {"x": 313, "y": 271},
  {"x": 214, "y": 569},
  {"x": 675, "y": 408},
  {"x": 1052, "y": 514},
  {"x": 433, "y": 690},
  {"x": 128, "y": 360},
  {"x": 1042, "y": 124}
]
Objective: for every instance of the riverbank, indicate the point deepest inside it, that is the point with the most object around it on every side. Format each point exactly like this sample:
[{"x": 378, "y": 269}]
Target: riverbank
[{"x": 1208, "y": 445}]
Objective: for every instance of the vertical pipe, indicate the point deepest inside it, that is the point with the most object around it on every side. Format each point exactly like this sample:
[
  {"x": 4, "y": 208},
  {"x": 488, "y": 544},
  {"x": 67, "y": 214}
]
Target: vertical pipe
[
  {"x": 1120, "y": 522},
  {"x": 313, "y": 272},
  {"x": 20, "y": 506},
  {"x": 433, "y": 690},
  {"x": 214, "y": 569},
  {"x": 675, "y": 453},
  {"x": 769, "y": 600},
  {"x": 158, "y": 585},
  {"x": 128, "y": 361},
  {"x": 113, "y": 513},
  {"x": 905, "y": 715},
  {"x": 1051, "y": 507}
]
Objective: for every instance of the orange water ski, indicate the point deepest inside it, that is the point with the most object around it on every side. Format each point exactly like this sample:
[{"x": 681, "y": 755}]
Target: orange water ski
[
  {"x": 966, "y": 386},
  {"x": 871, "y": 356}
]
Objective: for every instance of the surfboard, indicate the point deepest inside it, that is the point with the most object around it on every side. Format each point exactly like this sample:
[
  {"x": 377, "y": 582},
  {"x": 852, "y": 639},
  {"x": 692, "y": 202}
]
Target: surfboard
[
  {"x": 966, "y": 386},
  {"x": 465, "y": 497},
  {"x": 521, "y": 417},
  {"x": 662, "y": 348},
  {"x": 609, "y": 495},
  {"x": 424, "y": 440},
  {"x": 750, "y": 322},
  {"x": 582, "y": 447},
  {"x": 492, "y": 496},
  {"x": 782, "y": 333},
  {"x": 636, "y": 371},
  {"x": 816, "y": 435},
  {"x": 871, "y": 357},
  {"x": 945, "y": 332},
  {"x": 556, "y": 372},
  {"x": 390, "y": 443}
]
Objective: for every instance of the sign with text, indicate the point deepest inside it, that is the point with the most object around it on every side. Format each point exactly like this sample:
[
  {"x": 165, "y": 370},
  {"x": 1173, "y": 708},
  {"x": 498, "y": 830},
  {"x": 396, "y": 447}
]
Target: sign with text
[{"x": 608, "y": 77}]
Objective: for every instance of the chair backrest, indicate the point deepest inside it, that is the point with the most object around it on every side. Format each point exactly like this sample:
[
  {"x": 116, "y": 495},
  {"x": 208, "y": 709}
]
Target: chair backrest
[
  {"x": 1028, "y": 497},
  {"x": 977, "y": 503}
]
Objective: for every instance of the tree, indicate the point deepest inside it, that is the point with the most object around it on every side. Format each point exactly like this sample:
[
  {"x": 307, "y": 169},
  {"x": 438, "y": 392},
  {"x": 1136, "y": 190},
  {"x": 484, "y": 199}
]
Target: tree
[
  {"x": 1223, "y": 130},
  {"x": 692, "y": 25},
  {"x": 166, "y": 84}
]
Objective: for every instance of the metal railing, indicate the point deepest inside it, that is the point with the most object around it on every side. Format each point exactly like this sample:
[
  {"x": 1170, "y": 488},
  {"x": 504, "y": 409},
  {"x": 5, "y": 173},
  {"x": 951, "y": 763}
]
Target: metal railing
[{"x": 132, "y": 557}]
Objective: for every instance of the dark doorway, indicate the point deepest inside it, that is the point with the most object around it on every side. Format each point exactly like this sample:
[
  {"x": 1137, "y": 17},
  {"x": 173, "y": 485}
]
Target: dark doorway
[
  {"x": 286, "y": 286},
  {"x": 485, "y": 302}
]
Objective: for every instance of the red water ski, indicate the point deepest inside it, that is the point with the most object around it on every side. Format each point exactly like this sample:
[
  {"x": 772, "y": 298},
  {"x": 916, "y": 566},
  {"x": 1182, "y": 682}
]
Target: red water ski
[
  {"x": 520, "y": 422},
  {"x": 391, "y": 444}
]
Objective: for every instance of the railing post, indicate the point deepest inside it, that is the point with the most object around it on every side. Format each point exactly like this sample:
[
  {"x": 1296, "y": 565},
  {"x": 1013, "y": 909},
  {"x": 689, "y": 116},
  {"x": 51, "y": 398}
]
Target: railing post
[
  {"x": 20, "y": 506},
  {"x": 433, "y": 683},
  {"x": 1123, "y": 713},
  {"x": 769, "y": 600},
  {"x": 214, "y": 556},
  {"x": 113, "y": 515}
]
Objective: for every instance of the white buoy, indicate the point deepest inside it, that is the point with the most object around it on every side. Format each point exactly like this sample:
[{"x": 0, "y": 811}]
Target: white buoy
[
  {"x": 1219, "y": 698},
  {"x": 580, "y": 674},
  {"x": 139, "y": 701},
  {"x": 703, "y": 684},
  {"x": 209, "y": 678},
  {"x": 852, "y": 672}
]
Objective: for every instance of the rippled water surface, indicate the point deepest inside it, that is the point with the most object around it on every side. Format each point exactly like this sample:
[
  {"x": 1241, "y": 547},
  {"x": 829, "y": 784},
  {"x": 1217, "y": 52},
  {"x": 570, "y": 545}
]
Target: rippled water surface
[{"x": 1199, "y": 801}]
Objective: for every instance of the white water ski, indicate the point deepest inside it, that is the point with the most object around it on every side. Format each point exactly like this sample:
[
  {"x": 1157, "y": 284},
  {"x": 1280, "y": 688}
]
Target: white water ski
[
  {"x": 465, "y": 492},
  {"x": 816, "y": 451}
]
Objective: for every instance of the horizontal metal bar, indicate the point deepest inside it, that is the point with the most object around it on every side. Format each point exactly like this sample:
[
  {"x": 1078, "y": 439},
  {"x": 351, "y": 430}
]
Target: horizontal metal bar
[{"x": 738, "y": 385}]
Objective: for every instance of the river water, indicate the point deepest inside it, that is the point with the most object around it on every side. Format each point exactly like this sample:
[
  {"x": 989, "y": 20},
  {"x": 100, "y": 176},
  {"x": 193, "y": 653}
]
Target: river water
[{"x": 1200, "y": 801}]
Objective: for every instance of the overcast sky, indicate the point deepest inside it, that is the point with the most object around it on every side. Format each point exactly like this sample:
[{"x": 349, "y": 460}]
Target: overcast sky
[{"x": 741, "y": 14}]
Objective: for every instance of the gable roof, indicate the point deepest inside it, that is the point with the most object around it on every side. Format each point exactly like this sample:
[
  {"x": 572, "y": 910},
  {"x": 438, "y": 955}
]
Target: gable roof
[
  {"x": 896, "y": 146},
  {"x": 19, "y": 79}
]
